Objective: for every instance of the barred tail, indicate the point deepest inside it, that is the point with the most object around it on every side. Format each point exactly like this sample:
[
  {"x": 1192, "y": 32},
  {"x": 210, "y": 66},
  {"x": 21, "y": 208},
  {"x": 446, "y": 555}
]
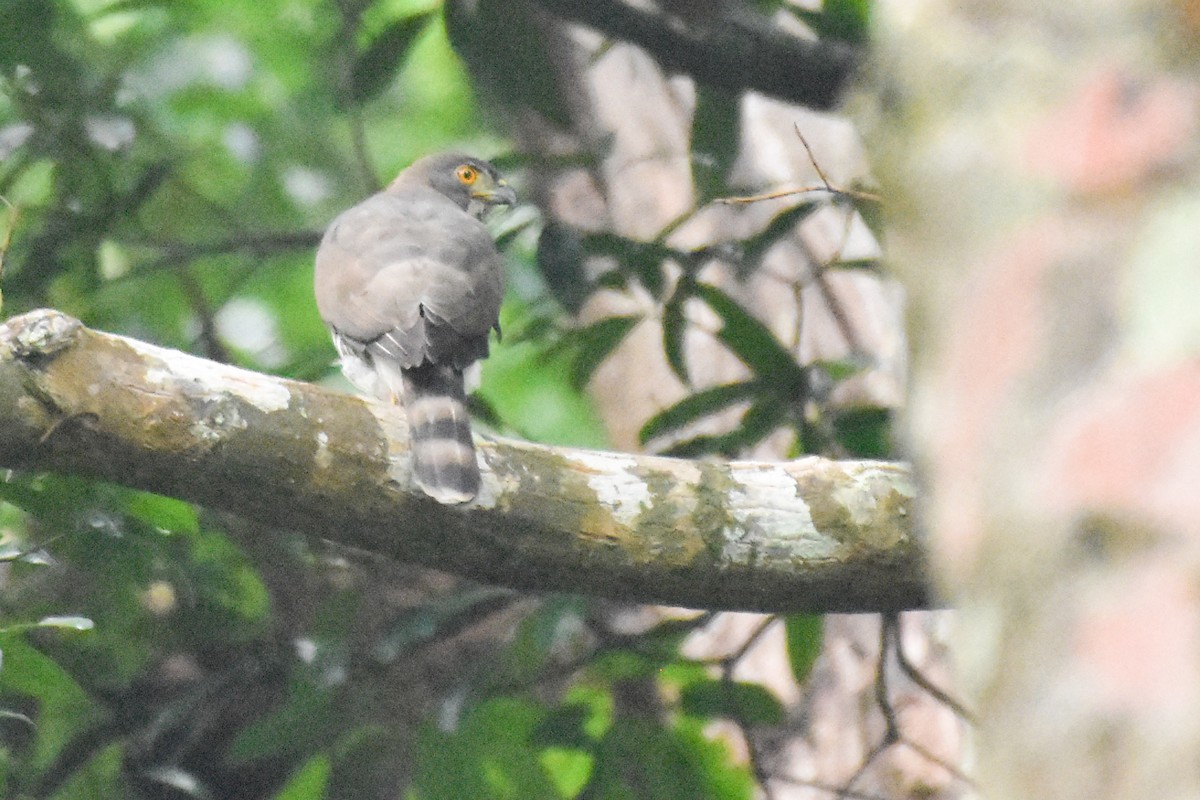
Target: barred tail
[{"x": 440, "y": 428}]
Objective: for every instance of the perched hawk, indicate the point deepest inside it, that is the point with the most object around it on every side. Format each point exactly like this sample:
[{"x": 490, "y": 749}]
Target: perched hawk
[{"x": 409, "y": 282}]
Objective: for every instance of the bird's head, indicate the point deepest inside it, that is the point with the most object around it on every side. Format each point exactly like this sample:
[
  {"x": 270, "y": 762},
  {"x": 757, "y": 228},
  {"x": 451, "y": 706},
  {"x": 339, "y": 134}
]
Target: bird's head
[{"x": 473, "y": 184}]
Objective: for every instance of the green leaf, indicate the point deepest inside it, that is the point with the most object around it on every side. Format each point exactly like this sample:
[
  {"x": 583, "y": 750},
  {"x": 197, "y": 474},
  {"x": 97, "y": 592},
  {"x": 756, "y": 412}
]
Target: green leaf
[
  {"x": 872, "y": 213},
  {"x": 164, "y": 513},
  {"x": 848, "y": 20},
  {"x": 639, "y": 759},
  {"x": 560, "y": 259},
  {"x": 621, "y": 665},
  {"x": 761, "y": 419},
  {"x": 487, "y": 756},
  {"x": 804, "y": 636},
  {"x": 303, "y": 724},
  {"x": 527, "y": 385},
  {"x": 716, "y": 135},
  {"x": 376, "y": 66},
  {"x": 309, "y": 782},
  {"x": 696, "y": 406},
  {"x": 564, "y": 727},
  {"x": 63, "y": 706},
  {"x": 595, "y": 343},
  {"x": 781, "y": 225},
  {"x": 747, "y": 703},
  {"x": 720, "y": 773},
  {"x": 845, "y": 20},
  {"x": 866, "y": 432},
  {"x": 567, "y": 768},
  {"x": 66, "y": 623},
  {"x": 675, "y": 328},
  {"x": 614, "y": 279},
  {"x": 864, "y": 264},
  {"x": 842, "y": 369},
  {"x": 644, "y": 260},
  {"x": 503, "y": 42},
  {"x": 102, "y": 775},
  {"x": 556, "y": 625},
  {"x": 754, "y": 344}
]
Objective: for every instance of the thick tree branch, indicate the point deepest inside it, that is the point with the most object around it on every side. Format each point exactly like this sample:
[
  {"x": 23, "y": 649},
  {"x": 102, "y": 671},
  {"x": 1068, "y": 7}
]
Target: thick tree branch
[
  {"x": 812, "y": 534},
  {"x": 726, "y": 54}
]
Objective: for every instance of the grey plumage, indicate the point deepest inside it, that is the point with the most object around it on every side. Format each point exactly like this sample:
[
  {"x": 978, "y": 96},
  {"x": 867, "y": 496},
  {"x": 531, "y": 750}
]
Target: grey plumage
[{"x": 409, "y": 282}]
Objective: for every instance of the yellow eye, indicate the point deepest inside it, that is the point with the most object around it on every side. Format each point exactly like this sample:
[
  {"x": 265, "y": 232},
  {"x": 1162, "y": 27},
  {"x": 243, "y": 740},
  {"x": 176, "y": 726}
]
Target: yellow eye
[{"x": 467, "y": 174}]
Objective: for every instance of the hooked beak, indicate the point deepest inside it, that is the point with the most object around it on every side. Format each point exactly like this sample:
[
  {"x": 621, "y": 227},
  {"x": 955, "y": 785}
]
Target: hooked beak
[{"x": 499, "y": 195}]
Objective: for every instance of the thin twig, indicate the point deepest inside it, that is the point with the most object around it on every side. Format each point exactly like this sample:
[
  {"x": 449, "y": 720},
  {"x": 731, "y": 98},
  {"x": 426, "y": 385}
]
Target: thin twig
[
  {"x": 730, "y": 661},
  {"x": 887, "y": 630},
  {"x": 756, "y": 766},
  {"x": 362, "y": 153},
  {"x": 891, "y": 733},
  {"x": 891, "y": 632},
  {"x": 812, "y": 158},
  {"x": 913, "y": 674},
  {"x": 934, "y": 758},
  {"x": 854, "y": 194},
  {"x": 214, "y": 348},
  {"x": 826, "y": 186},
  {"x": 175, "y": 254},
  {"x": 832, "y": 302}
]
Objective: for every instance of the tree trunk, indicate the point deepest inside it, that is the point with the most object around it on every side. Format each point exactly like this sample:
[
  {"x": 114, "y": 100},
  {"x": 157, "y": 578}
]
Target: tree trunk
[{"x": 1042, "y": 162}]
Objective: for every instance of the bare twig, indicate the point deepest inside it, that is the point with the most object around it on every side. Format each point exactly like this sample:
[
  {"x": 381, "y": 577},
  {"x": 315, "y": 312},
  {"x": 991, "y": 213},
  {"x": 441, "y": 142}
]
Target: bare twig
[
  {"x": 175, "y": 254},
  {"x": 729, "y": 662},
  {"x": 778, "y": 193},
  {"x": 913, "y": 674},
  {"x": 889, "y": 640},
  {"x": 825, "y": 186},
  {"x": 362, "y": 153},
  {"x": 214, "y": 348},
  {"x": 812, "y": 159},
  {"x": 761, "y": 775},
  {"x": 934, "y": 758}
]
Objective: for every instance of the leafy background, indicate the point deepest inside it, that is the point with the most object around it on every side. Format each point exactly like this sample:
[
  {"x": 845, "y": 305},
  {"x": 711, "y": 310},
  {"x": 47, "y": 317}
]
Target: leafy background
[{"x": 167, "y": 168}]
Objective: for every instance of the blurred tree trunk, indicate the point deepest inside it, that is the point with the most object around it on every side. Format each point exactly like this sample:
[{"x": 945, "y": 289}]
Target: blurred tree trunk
[{"x": 1042, "y": 161}]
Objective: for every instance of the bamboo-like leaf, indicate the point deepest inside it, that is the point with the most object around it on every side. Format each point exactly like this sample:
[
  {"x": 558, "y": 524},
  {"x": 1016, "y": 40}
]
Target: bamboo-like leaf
[
  {"x": 748, "y": 703},
  {"x": 560, "y": 259},
  {"x": 716, "y": 135},
  {"x": 73, "y": 623},
  {"x": 754, "y": 343},
  {"x": 675, "y": 328},
  {"x": 643, "y": 260},
  {"x": 595, "y": 343},
  {"x": 762, "y": 418},
  {"x": 782, "y": 224},
  {"x": 376, "y": 66},
  {"x": 864, "y": 264},
  {"x": 695, "y": 406},
  {"x": 804, "y": 636},
  {"x": 872, "y": 213}
]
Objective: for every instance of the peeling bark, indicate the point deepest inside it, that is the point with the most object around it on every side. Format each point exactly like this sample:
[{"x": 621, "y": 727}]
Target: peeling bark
[{"x": 812, "y": 534}]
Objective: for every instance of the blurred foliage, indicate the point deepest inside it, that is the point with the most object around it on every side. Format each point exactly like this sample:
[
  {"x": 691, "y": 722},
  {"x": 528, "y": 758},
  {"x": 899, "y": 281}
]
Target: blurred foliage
[{"x": 166, "y": 169}]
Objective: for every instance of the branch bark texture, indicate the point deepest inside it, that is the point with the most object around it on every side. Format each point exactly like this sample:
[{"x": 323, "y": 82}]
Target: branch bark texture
[{"x": 812, "y": 534}]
